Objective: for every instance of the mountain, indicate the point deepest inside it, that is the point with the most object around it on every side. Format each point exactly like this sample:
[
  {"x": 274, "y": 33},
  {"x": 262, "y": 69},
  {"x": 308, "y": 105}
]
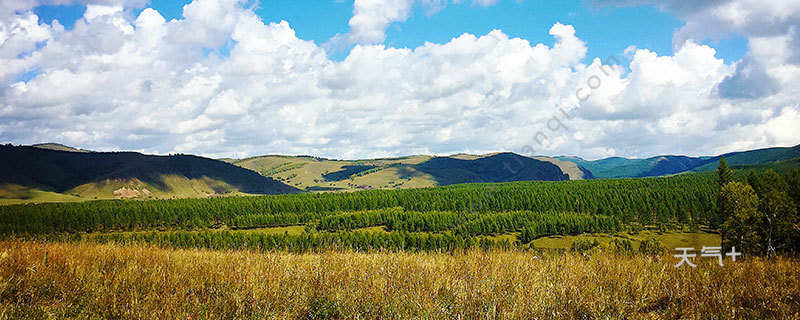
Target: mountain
[
  {"x": 758, "y": 156},
  {"x": 573, "y": 170},
  {"x": 502, "y": 167},
  {"x": 53, "y": 172},
  {"x": 616, "y": 167},
  {"x": 320, "y": 174},
  {"x": 26, "y": 171},
  {"x": 57, "y": 147},
  {"x": 419, "y": 171}
]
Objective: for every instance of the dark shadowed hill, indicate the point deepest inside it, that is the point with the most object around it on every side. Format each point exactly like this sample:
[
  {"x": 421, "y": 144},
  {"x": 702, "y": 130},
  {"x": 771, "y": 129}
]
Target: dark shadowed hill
[
  {"x": 502, "y": 167},
  {"x": 128, "y": 174}
]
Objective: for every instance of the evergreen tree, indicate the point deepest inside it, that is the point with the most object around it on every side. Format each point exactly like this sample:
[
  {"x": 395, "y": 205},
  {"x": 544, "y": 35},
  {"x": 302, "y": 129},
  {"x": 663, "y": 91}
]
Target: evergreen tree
[
  {"x": 755, "y": 182},
  {"x": 724, "y": 173},
  {"x": 724, "y": 177},
  {"x": 739, "y": 203},
  {"x": 793, "y": 180},
  {"x": 780, "y": 219}
]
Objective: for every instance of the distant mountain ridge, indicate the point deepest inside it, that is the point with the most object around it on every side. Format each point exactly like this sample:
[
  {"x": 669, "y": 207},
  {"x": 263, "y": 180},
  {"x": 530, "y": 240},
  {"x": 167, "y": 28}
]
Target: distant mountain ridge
[
  {"x": 617, "y": 167},
  {"x": 427, "y": 171},
  {"x": 61, "y": 173},
  {"x": 419, "y": 171}
]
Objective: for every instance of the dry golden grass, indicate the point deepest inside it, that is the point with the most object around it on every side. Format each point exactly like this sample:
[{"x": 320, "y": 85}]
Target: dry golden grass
[{"x": 90, "y": 281}]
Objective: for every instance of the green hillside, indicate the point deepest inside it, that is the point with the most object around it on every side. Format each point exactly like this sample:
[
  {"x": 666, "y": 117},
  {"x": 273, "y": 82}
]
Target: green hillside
[
  {"x": 760, "y": 156},
  {"x": 502, "y": 167},
  {"x": 617, "y": 167},
  {"x": 320, "y": 174},
  {"x": 57, "y": 147},
  {"x": 32, "y": 174},
  {"x": 57, "y": 173}
]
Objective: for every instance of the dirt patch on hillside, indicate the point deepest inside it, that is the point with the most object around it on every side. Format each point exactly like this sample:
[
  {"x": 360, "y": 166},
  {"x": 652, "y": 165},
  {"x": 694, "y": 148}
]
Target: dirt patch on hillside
[{"x": 129, "y": 193}]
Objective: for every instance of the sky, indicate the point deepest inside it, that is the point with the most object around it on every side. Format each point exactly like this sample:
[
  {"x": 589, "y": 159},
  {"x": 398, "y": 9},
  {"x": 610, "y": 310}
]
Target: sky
[{"x": 379, "y": 78}]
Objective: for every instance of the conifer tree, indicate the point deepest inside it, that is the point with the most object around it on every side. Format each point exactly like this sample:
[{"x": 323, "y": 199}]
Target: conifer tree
[
  {"x": 724, "y": 177},
  {"x": 724, "y": 173},
  {"x": 739, "y": 203}
]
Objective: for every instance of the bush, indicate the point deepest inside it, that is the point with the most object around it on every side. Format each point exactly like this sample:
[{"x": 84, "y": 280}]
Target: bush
[
  {"x": 322, "y": 307},
  {"x": 582, "y": 245},
  {"x": 651, "y": 247},
  {"x": 620, "y": 246}
]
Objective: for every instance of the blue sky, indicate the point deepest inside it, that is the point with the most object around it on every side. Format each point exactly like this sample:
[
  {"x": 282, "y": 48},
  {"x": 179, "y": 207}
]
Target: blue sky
[{"x": 606, "y": 30}]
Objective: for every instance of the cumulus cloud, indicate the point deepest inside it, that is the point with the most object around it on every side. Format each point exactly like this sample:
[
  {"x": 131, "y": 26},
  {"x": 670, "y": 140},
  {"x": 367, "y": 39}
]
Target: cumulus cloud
[
  {"x": 371, "y": 18},
  {"x": 762, "y": 82},
  {"x": 771, "y": 28},
  {"x": 241, "y": 86}
]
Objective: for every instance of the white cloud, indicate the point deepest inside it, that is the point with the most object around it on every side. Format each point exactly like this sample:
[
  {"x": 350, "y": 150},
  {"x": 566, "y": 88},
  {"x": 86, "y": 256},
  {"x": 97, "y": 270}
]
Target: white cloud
[
  {"x": 771, "y": 27},
  {"x": 144, "y": 83},
  {"x": 371, "y": 18}
]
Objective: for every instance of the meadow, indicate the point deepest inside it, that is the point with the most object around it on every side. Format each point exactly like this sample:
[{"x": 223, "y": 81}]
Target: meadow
[{"x": 105, "y": 281}]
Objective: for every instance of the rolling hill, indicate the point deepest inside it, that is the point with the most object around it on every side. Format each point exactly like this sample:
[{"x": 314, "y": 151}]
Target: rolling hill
[
  {"x": 58, "y": 173},
  {"x": 617, "y": 167},
  {"x": 57, "y": 147},
  {"x": 751, "y": 157},
  {"x": 320, "y": 174},
  {"x": 502, "y": 167},
  {"x": 42, "y": 174}
]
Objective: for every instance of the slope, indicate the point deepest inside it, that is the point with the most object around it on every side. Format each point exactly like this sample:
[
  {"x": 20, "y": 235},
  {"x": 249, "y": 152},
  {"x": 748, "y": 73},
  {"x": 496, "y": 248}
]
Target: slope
[
  {"x": 617, "y": 167},
  {"x": 320, "y": 174},
  {"x": 502, "y": 167},
  {"x": 126, "y": 175}
]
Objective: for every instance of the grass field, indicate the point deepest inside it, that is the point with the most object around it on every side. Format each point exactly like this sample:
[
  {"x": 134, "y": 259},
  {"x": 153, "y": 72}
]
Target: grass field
[
  {"x": 90, "y": 281},
  {"x": 175, "y": 187},
  {"x": 308, "y": 172},
  {"x": 14, "y": 194},
  {"x": 671, "y": 239}
]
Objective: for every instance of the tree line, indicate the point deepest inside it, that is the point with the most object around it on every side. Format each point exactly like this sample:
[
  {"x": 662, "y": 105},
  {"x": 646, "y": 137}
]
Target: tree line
[
  {"x": 473, "y": 224},
  {"x": 348, "y": 240},
  {"x": 689, "y": 198}
]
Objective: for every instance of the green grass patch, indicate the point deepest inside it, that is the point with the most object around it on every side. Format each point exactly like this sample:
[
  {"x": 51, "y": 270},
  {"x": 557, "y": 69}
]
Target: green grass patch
[{"x": 671, "y": 240}]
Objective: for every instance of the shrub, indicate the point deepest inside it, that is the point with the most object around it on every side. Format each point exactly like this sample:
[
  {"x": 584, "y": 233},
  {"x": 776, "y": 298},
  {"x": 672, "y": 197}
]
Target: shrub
[
  {"x": 322, "y": 307},
  {"x": 582, "y": 245},
  {"x": 620, "y": 246},
  {"x": 651, "y": 247}
]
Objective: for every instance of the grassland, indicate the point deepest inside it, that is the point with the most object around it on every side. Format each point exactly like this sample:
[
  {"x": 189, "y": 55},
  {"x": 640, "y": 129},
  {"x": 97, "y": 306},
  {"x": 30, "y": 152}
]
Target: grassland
[
  {"x": 670, "y": 239},
  {"x": 16, "y": 194},
  {"x": 309, "y": 172},
  {"x": 173, "y": 187},
  {"x": 90, "y": 281},
  {"x": 110, "y": 175}
]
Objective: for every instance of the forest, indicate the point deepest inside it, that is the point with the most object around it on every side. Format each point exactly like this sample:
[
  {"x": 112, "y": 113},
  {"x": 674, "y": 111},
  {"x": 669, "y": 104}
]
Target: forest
[
  {"x": 685, "y": 199},
  {"x": 441, "y": 218}
]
